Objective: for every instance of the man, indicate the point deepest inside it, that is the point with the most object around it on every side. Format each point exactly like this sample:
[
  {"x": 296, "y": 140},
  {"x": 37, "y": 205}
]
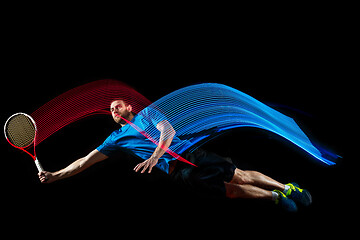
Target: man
[{"x": 212, "y": 172}]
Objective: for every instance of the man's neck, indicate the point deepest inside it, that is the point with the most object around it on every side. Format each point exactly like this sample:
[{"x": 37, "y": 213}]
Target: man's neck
[{"x": 123, "y": 123}]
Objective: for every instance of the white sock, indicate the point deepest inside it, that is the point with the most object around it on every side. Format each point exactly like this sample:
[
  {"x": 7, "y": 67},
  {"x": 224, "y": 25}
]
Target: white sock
[
  {"x": 286, "y": 189},
  {"x": 275, "y": 195}
]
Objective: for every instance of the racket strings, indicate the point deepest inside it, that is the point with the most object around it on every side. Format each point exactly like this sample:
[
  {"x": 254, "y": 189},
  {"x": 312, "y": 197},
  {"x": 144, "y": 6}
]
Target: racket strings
[{"x": 20, "y": 131}]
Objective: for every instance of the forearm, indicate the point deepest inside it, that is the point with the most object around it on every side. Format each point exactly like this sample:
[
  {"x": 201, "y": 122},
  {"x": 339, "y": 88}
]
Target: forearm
[
  {"x": 74, "y": 168},
  {"x": 162, "y": 147}
]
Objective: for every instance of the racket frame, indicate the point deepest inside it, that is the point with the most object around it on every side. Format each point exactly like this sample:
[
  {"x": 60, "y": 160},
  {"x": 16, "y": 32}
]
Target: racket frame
[{"x": 34, "y": 157}]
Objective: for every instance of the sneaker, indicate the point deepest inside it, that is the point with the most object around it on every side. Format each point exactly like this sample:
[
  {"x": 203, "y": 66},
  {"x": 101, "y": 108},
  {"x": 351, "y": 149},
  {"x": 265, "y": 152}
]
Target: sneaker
[
  {"x": 285, "y": 202},
  {"x": 299, "y": 195}
]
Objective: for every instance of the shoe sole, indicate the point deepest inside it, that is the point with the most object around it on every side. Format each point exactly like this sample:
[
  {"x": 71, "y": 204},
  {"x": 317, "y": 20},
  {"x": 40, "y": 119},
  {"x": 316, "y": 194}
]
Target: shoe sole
[{"x": 308, "y": 198}]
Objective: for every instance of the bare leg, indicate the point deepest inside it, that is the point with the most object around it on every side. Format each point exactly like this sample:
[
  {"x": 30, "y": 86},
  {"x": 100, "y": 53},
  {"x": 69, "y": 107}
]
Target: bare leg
[
  {"x": 246, "y": 191},
  {"x": 256, "y": 179}
]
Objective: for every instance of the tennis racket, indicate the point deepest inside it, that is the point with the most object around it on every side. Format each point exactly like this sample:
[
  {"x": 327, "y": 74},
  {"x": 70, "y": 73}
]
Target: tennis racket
[{"x": 20, "y": 132}]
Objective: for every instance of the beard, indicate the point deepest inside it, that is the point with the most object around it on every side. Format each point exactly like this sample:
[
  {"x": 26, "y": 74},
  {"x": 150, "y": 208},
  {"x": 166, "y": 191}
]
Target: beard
[{"x": 118, "y": 118}]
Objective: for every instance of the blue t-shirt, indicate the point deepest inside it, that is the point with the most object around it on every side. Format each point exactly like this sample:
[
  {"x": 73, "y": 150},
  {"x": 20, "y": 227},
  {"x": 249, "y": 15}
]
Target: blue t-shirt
[{"x": 130, "y": 140}]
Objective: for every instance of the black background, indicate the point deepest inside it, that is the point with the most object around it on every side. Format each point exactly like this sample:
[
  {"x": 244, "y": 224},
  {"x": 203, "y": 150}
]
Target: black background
[{"x": 305, "y": 65}]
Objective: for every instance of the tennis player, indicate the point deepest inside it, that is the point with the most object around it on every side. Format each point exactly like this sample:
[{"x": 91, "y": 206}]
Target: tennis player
[{"x": 213, "y": 173}]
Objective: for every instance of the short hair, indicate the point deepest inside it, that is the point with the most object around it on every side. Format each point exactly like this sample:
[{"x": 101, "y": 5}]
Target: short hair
[{"x": 119, "y": 100}]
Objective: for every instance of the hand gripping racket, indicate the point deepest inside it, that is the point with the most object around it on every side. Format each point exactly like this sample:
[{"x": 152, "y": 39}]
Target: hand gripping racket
[{"x": 20, "y": 132}]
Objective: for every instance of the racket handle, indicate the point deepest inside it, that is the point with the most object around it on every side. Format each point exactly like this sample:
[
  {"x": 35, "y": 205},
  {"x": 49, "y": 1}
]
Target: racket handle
[{"x": 38, "y": 165}]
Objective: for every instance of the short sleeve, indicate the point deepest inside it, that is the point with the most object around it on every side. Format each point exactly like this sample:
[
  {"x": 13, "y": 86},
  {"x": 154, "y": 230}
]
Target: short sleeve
[
  {"x": 108, "y": 147},
  {"x": 153, "y": 115}
]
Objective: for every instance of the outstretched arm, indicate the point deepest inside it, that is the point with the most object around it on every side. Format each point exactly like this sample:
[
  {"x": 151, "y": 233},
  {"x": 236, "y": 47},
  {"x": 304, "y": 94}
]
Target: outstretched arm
[
  {"x": 167, "y": 134},
  {"x": 74, "y": 168}
]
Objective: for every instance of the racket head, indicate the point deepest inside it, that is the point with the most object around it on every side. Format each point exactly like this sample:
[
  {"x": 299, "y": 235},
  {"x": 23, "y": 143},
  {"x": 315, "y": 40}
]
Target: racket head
[{"x": 20, "y": 130}]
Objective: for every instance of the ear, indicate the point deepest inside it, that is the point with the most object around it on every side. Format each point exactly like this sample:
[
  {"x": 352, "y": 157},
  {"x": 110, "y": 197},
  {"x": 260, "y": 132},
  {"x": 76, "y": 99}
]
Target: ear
[{"x": 129, "y": 108}]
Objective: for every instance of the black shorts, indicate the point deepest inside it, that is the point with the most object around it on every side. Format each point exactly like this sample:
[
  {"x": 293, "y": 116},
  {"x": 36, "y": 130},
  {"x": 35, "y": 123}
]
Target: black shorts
[{"x": 209, "y": 175}]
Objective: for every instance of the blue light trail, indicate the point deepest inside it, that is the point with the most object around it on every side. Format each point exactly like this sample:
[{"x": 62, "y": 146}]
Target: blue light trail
[{"x": 201, "y": 112}]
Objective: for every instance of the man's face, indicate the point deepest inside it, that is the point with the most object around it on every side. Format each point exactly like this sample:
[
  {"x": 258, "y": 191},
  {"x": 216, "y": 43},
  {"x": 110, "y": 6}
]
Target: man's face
[{"x": 118, "y": 107}]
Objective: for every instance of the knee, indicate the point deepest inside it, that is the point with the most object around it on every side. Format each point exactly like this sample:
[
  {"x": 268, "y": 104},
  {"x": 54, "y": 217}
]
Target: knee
[
  {"x": 243, "y": 177},
  {"x": 247, "y": 177},
  {"x": 251, "y": 176},
  {"x": 231, "y": 190}
]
